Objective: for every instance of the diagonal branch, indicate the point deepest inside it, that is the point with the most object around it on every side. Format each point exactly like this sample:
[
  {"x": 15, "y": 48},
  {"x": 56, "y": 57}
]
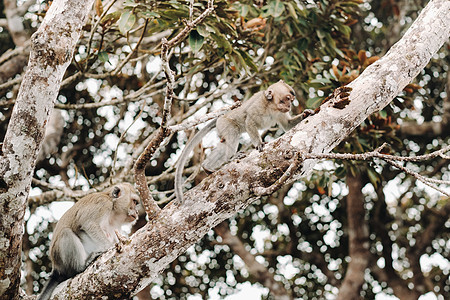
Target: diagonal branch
[{"x": 225, "y": 192}]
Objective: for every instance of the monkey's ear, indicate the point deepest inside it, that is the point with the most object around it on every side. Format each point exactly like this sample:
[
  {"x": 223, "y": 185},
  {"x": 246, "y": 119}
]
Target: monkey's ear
[
  {"x": 269, "y": 94},
  {"x": 115, "y": 192},
  {"x": 281, "y": 80}
]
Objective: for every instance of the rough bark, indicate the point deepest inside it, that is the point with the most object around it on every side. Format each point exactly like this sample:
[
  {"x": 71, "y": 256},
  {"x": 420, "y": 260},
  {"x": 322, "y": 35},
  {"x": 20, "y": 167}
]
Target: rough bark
[
  {"x": 257, "y": 270},
  {"x": 358, "y": 235},
  {"x": 52, "y": 49},
  {"x": 229, "y": 190}
]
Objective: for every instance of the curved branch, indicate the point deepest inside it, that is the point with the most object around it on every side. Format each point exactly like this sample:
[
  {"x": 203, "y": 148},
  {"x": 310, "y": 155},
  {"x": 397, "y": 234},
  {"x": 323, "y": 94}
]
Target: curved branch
[{"x": 222, "y": 194}]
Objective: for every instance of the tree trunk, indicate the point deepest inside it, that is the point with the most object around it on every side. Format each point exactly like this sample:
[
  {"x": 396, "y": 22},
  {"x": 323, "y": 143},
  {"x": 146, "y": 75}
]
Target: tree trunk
[
  {"x": 52, "y": 50},
  {"x": 358, "y": 235}
]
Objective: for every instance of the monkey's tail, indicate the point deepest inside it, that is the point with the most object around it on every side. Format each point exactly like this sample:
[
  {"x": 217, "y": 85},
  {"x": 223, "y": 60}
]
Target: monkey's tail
[
  {"x": 185, "y": 155},
  {"x": 55, "y": 279}
]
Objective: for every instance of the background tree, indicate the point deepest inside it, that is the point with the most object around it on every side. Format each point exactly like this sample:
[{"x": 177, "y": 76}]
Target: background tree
[{"x": 296, "y": 242}]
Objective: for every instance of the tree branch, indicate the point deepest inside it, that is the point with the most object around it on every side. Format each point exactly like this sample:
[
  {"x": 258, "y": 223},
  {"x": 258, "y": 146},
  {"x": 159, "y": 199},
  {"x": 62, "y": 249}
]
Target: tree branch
[
  {"x": 150, "y": 205},
  {"x": 223, "y": 193}
]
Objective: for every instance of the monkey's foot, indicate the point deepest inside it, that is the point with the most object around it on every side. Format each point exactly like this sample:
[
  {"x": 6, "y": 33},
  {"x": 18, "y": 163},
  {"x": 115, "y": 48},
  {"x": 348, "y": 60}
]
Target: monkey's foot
[
  {"x": 240, "y": 155},
  {"x": 260, "y": 147},
  {"x": 123, "y": 240}
]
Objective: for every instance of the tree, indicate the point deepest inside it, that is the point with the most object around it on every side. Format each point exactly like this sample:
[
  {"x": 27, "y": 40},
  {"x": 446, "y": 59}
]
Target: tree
[{"x": 207, "y": 47}]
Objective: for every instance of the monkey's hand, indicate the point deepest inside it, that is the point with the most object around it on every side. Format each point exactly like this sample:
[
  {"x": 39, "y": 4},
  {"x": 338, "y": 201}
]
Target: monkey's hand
[
  {"x": 123, "y": 240},
  {"x": 307, "y": 112},
  {"x": 260, "y": 147},
  {"x": 240, "y": 155}
]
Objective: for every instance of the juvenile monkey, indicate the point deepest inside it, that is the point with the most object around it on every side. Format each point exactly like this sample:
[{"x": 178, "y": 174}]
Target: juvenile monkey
[
  {"x": 87, "y": 229},
  {"x": 261, "y": 111}
]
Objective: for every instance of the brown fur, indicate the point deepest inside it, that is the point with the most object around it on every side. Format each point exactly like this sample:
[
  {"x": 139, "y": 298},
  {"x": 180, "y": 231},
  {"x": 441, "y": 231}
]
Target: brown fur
[
  {"x": 263, "y": 110},
  {"x": 87, "y": 229}
]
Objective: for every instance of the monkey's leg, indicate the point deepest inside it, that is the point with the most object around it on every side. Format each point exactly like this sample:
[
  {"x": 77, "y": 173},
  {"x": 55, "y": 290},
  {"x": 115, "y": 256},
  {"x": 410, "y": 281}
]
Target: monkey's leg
[
  {"x": 229, "y": 141},
  {"x": 254, "y": 135},
  {"x": 70, "y": 256},
  {"x": 215, "y": 159}
]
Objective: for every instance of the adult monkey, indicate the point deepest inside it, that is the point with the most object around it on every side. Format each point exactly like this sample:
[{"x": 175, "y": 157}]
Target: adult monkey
[
  {"x": 263, "y": 110},
  {"x": 88, "y": 229}
]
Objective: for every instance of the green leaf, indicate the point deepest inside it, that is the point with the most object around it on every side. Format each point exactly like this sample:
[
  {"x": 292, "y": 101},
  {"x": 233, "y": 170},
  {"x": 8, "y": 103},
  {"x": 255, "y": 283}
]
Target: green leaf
[
  {"x": 195, "y": 41},
  {"x": 222, "y": 42},
  {"x": 240, "y": 61},
  {"x": 149, "y": 14},
  {"x": 344, "y": 29},
  {"x": 248, "y": 60},
  {"x": 314, "y": 102},
  {"x": 126, "y": 22},
  {"x": 275, "y": 9},
  {"x": 373, "y": 177},
  {"x": 302, "y": 44},
  {"x": 243, "y": 10},
  {"x": 320, "y": 80},
  {"x": 203, "y": 30},
  {"x": 103, "y": 56},
  {"x": 111, "y": 18},
  {"x": 340, "y": 172},
  {"x": 292, "y": 11}
]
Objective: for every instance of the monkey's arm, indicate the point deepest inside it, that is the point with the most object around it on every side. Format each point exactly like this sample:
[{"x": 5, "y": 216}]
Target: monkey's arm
[
  {"x": 102, "y": 238},
  {"x": 95, "y": 230},
  {"x": 287, "y": 122},
  {"x": 185, "y": 155},
  {"x": 252, "y": 130}
]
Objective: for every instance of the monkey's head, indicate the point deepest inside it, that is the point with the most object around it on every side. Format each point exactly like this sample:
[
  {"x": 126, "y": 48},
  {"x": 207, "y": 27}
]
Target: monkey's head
[
  {"x": 281, "y": 95},
  {"x": 125, "y": 202}
]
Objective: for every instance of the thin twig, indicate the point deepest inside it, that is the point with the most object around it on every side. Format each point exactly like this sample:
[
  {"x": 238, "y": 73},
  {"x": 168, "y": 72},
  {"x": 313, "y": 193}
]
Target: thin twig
[
  {"x": 392, "y": 160},
  {"x": 150, "y": 205}
]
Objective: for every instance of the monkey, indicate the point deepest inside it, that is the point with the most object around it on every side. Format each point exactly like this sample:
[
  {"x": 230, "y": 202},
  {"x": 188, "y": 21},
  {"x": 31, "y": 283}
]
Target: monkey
[
  {"x": 263, "y": 110},
  {"x": 87, "y": 230}
]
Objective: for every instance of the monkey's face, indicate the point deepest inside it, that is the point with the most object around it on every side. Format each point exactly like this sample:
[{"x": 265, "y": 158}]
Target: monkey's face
[
  {"x": 125, "y": 202},
  {"x": 284, "y": 103},
  {"x": 132, "y": 209}
]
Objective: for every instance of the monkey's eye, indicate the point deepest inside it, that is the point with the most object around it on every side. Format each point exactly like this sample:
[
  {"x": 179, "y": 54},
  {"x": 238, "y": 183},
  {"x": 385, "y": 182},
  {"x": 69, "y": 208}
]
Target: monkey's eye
[
  {"x": 116, "y": 192},
  {"x": 135, "y": 202}
]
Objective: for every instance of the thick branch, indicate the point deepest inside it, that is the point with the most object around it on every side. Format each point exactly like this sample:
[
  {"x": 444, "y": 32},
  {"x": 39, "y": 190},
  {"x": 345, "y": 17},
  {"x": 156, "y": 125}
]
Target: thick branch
[{"x": 222, "y": 194}]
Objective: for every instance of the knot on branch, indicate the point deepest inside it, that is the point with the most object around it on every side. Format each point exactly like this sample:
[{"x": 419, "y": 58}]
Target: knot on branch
[{"x": 293, "y": 167}]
